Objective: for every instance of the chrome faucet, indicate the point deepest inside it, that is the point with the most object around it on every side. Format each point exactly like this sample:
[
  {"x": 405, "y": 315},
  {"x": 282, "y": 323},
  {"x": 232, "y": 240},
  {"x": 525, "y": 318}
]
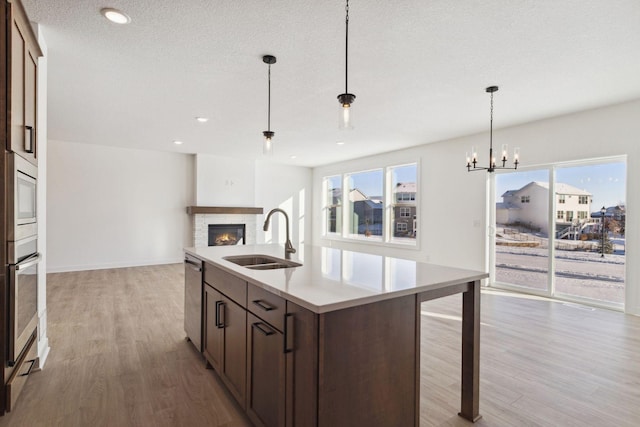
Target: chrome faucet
[{"x": 288, "y": 247}]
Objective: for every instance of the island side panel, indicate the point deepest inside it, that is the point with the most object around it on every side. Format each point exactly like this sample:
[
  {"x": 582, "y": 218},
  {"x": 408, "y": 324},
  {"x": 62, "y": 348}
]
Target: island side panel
[{"x": 367, "y": 365}]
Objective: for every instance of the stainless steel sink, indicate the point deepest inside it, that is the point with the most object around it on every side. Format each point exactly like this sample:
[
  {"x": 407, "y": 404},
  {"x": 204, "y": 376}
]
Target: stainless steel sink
[{"x": 261, "y": 262}]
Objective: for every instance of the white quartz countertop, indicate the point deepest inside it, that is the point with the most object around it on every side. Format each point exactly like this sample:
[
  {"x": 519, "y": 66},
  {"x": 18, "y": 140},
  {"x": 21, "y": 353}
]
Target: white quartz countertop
[{"x": 332, "y": 279}]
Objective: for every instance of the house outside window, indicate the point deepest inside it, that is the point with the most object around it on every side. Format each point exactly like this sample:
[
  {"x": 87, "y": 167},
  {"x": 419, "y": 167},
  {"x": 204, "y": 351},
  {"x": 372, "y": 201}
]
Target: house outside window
[
  {"x": 365, "y": 204},
  {"x": 404, "y": 188}
]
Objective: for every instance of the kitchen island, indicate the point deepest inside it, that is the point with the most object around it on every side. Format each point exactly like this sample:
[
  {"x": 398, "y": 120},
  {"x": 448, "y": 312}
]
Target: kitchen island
[{"x": 333, "y": 342}]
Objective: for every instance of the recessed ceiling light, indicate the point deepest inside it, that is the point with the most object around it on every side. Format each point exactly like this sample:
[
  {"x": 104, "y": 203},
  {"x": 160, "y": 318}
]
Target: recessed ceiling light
[
  {"x": 340, "y": 143},
  {"x": 202, "y": 119},
  {"x": 114, "y": 15},
  {"x": 293, "y": 157},
  {"x": 177, "y": 142}
]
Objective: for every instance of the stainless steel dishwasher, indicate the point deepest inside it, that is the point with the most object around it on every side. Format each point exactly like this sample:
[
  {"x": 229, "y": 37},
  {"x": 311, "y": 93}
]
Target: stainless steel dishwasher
[{"x": 193, "y": 300}]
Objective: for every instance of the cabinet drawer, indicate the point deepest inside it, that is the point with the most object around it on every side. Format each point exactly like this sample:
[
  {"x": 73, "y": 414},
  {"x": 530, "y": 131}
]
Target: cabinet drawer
[
  {"x": 229, "y": 285},
  {"x": 267, "y": 306},
  {"x": 21, "y": 372}
]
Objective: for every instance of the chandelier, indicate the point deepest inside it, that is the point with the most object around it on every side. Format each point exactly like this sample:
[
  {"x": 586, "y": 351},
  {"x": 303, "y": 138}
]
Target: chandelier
[{"x": 472, "y": 158}]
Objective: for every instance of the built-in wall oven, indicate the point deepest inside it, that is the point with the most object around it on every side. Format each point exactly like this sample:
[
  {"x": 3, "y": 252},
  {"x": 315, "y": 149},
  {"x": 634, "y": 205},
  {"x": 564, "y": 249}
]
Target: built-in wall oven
[
  {"x": 21, "y": 198},
  {"x": 23, "y": 294},
  {"x": 22, "y": 254}
]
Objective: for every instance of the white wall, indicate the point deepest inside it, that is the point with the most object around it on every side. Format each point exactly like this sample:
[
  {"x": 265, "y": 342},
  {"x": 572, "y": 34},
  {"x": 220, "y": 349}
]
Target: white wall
[
  {"x": 113, "y": 207},
  {"x": 224, "y": 181},
  {"x": 454, "y": 206},
  {"x": 288, "y": 188}
]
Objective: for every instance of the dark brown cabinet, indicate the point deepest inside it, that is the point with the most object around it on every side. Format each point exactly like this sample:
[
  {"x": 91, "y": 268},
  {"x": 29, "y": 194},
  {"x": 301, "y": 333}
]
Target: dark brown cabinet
[
  {"x": 19, "y": 52},
  {"x": 265, "y": 374},
  {"x": 264, "y": 349},
  {"x": 225, "y": 341},
  {"x": 282, "y": 361},
  {"x": 22, "y": 84},
  {"x": 290, "y": 367}
]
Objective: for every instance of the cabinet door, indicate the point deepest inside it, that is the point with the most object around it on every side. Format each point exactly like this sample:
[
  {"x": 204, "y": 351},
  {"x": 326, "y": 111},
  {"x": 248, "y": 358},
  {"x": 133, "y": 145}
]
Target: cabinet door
[
  {"x": 301, "y": 335},
  {"x": 24, "y": 58},
  {"x": 233, "y": 318},
  {"x": 266, "y": 374},
  {"x": 213, "y": 331}
]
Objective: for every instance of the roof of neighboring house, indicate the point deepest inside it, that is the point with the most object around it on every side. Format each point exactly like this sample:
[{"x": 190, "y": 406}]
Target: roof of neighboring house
[
  {"x": 356, "y": 195},
  {"x": 561, "y": 188},
  {"x": 405, "y": 187}
]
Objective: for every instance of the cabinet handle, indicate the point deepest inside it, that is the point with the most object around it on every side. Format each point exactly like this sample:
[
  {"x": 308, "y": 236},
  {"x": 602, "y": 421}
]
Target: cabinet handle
[
  {"x": 266, "y": 332},
  {"x": 33, "y": 362},
  {"x": 28, "y": 139},
  {"x": 263, "y": 305},
  {"x": 220, "y": 314},
  {"x": 287, "y": 347}
]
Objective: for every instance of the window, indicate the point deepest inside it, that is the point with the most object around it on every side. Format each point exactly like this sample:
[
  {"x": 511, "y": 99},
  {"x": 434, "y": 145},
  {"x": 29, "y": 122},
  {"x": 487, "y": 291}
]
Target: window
[
  {"x": 583, "y": 214},
  {"x": 400, "y": 197},
  {"x": 560, "y": 215},
  {"x": 524, "y": 199},
  {"x": 377, "y": 205},
  {"x": 583, "y": 200},
  {"x": 569, "y": 216},
  {"x": 365, "y": 204},
  {"x": 404, "y": 186},
  {"x": 561, "y": 198},
  {"x": 333, "y": 203}
]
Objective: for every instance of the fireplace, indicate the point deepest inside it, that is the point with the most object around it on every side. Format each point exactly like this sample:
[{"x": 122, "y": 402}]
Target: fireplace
[{"x": 226, "y": 234}]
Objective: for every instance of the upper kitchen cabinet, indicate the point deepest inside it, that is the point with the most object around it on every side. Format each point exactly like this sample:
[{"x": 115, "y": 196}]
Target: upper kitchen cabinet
[{"x": 22, "y": 52}]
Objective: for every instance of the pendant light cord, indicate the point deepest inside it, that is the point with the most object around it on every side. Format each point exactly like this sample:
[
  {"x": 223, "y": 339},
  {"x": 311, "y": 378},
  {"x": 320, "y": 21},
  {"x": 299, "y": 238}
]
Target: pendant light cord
[
  {"x": 346, "y": 51},
  {"x": 491, "y": 124},
  {"x": 269, "y": 103}
]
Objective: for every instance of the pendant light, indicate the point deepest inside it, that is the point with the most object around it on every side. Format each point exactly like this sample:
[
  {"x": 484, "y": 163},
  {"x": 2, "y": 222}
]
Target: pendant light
[
  {"x": 267, "y": 147},
  {"x": 472, "y": 159},
  {"x": 346, "y": 98}
]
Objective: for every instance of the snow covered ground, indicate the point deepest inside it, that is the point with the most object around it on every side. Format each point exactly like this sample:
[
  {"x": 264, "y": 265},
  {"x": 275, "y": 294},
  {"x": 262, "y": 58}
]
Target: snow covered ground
[{"x": 578, "y": 273}]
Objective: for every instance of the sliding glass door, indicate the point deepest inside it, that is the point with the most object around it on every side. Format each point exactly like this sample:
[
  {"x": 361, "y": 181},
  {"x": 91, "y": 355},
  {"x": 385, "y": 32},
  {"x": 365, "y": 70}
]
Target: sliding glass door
[
  {"x": 590, "y": 232},
  {"x": 560, "y": 231},
  {"x": 522, "y": 230}
]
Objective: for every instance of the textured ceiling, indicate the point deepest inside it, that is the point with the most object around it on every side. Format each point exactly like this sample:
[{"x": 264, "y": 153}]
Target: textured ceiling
[{"x": 417, "y": 67}]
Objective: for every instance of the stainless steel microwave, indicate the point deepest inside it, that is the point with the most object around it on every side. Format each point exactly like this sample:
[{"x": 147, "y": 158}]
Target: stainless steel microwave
[{"x": 21, "y": 197}]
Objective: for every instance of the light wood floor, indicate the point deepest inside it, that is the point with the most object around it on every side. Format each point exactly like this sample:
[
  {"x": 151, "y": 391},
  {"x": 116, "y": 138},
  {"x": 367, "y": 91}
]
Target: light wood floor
[{"x": 119, "y": 358}]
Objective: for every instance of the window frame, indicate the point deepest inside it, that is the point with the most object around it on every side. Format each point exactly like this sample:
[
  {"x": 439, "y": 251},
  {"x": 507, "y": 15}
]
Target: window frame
[{"x": 388, "y": 237}]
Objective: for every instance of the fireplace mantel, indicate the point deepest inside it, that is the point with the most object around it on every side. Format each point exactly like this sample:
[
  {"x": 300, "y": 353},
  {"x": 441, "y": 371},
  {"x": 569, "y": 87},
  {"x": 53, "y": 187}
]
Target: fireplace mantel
[{"x": 191, "y": 210}]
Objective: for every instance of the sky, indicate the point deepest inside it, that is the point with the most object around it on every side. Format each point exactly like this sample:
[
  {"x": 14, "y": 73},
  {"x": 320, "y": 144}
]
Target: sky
[{"x": 605, "y": 181}]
